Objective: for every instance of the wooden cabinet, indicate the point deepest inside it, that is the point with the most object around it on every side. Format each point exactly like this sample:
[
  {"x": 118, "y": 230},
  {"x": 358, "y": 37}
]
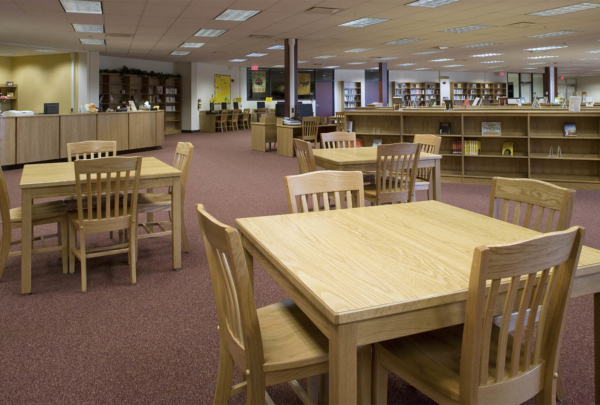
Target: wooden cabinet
[
  {"x": 76, "y": 128},
  {"x": 114, "y": 127},
  {"x": 8, "y": 141},
  {"x": 38, "y": 138},
  {"x": 142, "y": 130}
]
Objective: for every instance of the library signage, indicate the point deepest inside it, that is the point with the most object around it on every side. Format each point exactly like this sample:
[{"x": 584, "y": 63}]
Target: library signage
[{"x": 259, "y": 81}]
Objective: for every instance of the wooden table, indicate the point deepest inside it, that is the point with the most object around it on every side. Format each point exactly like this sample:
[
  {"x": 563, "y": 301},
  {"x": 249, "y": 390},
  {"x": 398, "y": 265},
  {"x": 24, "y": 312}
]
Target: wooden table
[
  {"x": 366, "y": 275},
  {"x": 364, "y": 160},
  {"x": 287, "y": 133},
  {"x": 58, "y": 180}
]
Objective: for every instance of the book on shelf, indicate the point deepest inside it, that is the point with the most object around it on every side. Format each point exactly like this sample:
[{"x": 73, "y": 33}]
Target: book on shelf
[
  {"x": 570, "y": 129},
  {"x": 466, "y": 104},
  {"x": 508, "y": 149},
  {"x": 377, "y": 142},
  {"x": 456, "y": 147},
  {"x": 458, "y": 85},
  {"x": 472, "y": 148},
  {"x": 575, "y": 104},
  {"x": 431, "y": 102},
  {"x": 444, "y": 128},
  {"x": 487, "y": 86},
  {"x": 449, "y": 105},
  {"x": 349, "y": 126},
  {"x": 491, "y": 128}
]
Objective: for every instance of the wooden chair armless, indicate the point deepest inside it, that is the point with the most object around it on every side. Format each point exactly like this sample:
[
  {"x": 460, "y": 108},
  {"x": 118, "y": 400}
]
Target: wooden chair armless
[
  {"x": 304, "y": 154},
  {"x": 431, "y": 144},
  {"x": 310, "y": 129},
  {"x": 334, "y": 140}
]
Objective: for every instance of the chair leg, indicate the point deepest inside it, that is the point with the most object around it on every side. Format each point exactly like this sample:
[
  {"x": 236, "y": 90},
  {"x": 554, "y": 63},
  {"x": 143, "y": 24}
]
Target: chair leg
[
  {"x": 255, "y": 390},
  {"x": 133, "y": 252},
  {"x": 72, "y": 245},
  {"x": 312, "y": 388},
  {"x": 224, "y": 377},
  {"x": 184, "y": 237},
  {"x": 323, "y": 389},
  {"x": 560, "y": 385},
  {"x": 364, "y": 366},
  {"x": 83, "y": 262},
  {"x": 380, "y": 381},
  {"x": 63, "y": 227}
]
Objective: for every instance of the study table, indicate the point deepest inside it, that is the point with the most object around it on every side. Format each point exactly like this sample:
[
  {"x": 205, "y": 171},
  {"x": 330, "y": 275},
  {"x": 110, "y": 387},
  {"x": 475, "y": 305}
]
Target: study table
[
  {"x": 364, "y": 159},
  {"x": 366, "y": 275},
  {"x": 287, "y": 133},
  {"x": 58, "y": 180}
]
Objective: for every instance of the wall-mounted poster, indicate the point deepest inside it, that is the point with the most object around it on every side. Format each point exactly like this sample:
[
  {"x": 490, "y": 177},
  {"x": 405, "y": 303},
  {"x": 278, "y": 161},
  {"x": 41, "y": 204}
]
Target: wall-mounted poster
[
  {"x": 303, "y": 84},
  {"x": 222, "y": 89},
  {"x": 259, "y": 81}
]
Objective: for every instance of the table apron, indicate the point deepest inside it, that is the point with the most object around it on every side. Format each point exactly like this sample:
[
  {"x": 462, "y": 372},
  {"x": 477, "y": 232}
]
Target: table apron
[
  {"x": 423, "y": 164},
  {"x": 48, "y": 190}
]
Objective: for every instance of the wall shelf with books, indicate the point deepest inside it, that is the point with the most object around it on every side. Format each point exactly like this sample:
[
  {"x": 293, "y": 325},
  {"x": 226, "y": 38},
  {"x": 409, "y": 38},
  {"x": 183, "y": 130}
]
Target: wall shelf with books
[
  {"x": 488, "y": 91},
  {"x": 351, "y": 95},
  {"x": 423, "y": 93}
]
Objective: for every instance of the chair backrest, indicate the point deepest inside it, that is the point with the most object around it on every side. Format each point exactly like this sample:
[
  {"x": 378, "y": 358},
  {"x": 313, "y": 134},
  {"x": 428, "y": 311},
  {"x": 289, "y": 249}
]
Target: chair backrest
[
  {"x": 334, "y": 140},
  {"x": 239, "y": 329},
  {"x": 247, "y": 110},
  {"x": 314, "y": 188},
  {"x": 108, "y": 175},
  {"x": 235, "y": 115},
  {"x": 304, "y": 154},
  {"x": 340, "y": 119},
  {"x": 224, "y": 114},
  {"x": 182, "y": 162},
  {"x": 5, "y": 216},
  {"x": 245, "y": 115},
  {"x": 542, "y": 201},
  {"x": 91, "y": 150},
  {"x": 396, "y": 171},
  {"x": 431, "y": 144},
  {"x": 547, "y": 264},
  {"x": 310, "y": 128}
]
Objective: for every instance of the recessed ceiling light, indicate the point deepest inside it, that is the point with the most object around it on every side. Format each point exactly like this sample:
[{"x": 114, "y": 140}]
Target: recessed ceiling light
[
  {"x": 403, "y": 41},
  {"x": 357, "y": 50},
  {"x": 426, "y": 52},
  {"x": 91, "y": 41},
  {"x": 544, "y": 48},
  {"x": 542, "y": 57},
  {"x": 357, "y": 63},
  {"x": 430, "y": 3},
  {"x": 238, "y": 60},
  {"x": 452, "y": 65},
  {"x": 205, "y": 32},
  {"x": 589, "y": 59},
  {"x": 468, "y": 28},
  {"x": 538, "y": 63},
  {"x": 324, "y": 56},
  {"x": 180, "y": 53},
  {"x": 422, "y": 69},
  {"x": 302, "y": 61},
  {"x": 479, "y": 45},
  {"x": 45, "y": 50},
  {"x": 592, "y": 52},
  {"x": 5, "y": 54},
  {"x": 374, "y": 68},
  {"x": 552, "y": 34},
  {"x": 485, "y": 55},
  {"x": 531, "y": 68},
  {"x": 495, "y": 67},
  {"x": 278, "y": 66},
  {"x": 191, "y": 45},
  {"x": 95, "y": 28},
  {"x": 493, "y": 61},
  {"x": 441, "y": 60},
  {"x": 363, "y": 22},
  {"x": 236, "y": 15},
  {"x": 256, "y": 55},
  {"x": 277, "y": 47},
  {"x": 388, "y": 58},
  {"x": 330, "y": 67},
  {"x": 406, "y": 64},
  {"x": 573, "y": 8},
  {"x": 82, "y": 7}
]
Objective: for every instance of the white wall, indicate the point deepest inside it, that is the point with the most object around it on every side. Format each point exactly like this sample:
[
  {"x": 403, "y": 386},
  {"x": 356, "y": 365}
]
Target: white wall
[
  {"x": 112, "y": 62},
  {"x": 206, "y": 83},
  {"x": 589, "y": 85}
]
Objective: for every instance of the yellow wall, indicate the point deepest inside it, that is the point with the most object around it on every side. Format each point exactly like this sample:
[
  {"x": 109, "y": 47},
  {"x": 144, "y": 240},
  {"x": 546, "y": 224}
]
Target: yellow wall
[
  {"x": 43, "y": 79},
  {"x": 5, "y": 69}
]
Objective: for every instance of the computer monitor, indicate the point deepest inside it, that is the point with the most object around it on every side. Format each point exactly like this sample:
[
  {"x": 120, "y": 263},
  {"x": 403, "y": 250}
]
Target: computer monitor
[
  {"x": 223, "y": 106},
  {"x": 280, "y": 109},
  {"x": 50, "y": 108},
  {"x": 305, "y": 110},
  {"x": 236, "y": 105},
  {"x": 260, "y": 104},
  {"x": 212, "y": 106}
]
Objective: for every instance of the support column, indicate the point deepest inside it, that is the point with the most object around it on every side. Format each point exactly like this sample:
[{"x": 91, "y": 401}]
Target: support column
[
  {"x": 190, "y": 120},
  {"x": 383, "y": 84},
  {"x": 551, "y": 83},
  {"x": 291, "y": 77},
  {"x": 93, "y": 67}
]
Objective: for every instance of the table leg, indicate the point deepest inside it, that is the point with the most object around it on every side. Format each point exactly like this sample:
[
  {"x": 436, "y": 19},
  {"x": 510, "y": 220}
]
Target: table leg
[
  {"x": 26, "y": 232},
  {"x": 597, "y": 346},
  {"x": 342, "y": 364},
  {"x": 177, "y": 218},
  {"x": 437, "y": 180},
  {"x": 249, "y": 263}
]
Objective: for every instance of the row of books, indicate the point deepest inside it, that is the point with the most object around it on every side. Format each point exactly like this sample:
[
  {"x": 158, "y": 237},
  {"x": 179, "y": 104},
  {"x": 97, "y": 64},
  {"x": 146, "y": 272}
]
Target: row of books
[
  {"x": 474, "y": 85},
  {"x": 473, "y": 148},
  {"x": 171, "y": 99},
  {"x": 416, "y": 86},
  {"x": 351, "y": 98},
  {"x": 171, "y": 90},
  {"x": 350, "y": 92},
  {"x": 170, "y": 108}
]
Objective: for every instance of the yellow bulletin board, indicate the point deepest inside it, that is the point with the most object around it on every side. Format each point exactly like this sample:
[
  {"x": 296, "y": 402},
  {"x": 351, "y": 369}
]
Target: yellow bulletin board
[
  {"x": 303, "y": 84},
  {"x": 222, "y": 89}
]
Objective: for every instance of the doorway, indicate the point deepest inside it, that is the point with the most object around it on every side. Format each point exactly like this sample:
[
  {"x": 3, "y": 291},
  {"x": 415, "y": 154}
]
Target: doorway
[{"x": 324, "y": 88}]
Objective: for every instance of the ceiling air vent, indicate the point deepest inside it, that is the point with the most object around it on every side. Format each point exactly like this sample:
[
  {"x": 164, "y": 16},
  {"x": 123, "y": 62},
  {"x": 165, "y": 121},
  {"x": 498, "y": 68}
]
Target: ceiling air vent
[
  {"x": 120, "y": 35},
  {"x": 323, "y": 10},
  {"x": 522, "y": 25}
]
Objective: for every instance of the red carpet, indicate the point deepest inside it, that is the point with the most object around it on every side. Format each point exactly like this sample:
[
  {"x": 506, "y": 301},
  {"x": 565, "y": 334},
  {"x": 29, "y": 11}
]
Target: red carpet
[{"x": 157, "y": 342}]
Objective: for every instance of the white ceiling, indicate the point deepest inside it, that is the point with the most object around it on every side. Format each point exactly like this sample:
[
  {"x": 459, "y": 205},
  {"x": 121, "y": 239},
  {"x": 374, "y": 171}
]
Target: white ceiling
[{"x": 151, "y": 29}]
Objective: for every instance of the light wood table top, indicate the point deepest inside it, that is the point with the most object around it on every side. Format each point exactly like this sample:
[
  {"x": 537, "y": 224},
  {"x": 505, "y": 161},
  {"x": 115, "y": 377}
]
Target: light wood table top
[{"x": 353, "y": 156}]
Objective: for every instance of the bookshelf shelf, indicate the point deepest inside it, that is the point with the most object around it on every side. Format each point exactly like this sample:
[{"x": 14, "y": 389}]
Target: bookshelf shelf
[
  {"x": 13, "y": 102},
  {"x": 488, "y": 91},
  {"x": 422, "y": 92},
  {"x": 351, "y": 95}
]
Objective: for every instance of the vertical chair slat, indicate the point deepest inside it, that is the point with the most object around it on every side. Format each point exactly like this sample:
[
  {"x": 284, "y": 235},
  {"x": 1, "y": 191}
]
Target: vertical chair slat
[
  {"x": 315, "y": 202},
  {"x": 533, "y": 309},
  {"x": 487, "y": 331},
  {"x": 517, "y": 213},
  {"x": 89, "y": 195},
  {"x": 349, "y": 198},
  {"x": 126, "y": 192},
  {"x": 509, "y": 306},
  {"x": 108, "y": 187},
  {"x": 504, "y": 214},
  {"x": 98, "y": 195},
  {"x": 338, "y": 200},
  {"x": 550, "y": 220},
  {"x": 538, "y": 219},
  {"x": 304, "y": 203},
  {"x": 326, "y": 202},
  {"x": 117, "y": 187},
  {"x": 527, "y": 223},
  {"x": 539, "y": 338},
  {"x": 520, "y": 323}
]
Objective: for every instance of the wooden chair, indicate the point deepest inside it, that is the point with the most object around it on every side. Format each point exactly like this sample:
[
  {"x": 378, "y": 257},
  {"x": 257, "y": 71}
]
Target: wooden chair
[
  {"x": 310, "y": 129},
  {"x": 334, "y": 140},
  {"x": 340, "y": 120},
  {"x": 222, "y": 120},
  {"x": 53, "y": 212},
  {"x": 92, "y": 179},
  {"x": 246, "y": 119},
  {"x": 304, "y": 154},
  {"x": 395, "y": 174},
  {"x": 317, "y": 187},
  {"x": 478, "y": 362},
  {"x": 233, "y": 120},
  {"x": 91, "y": 150},
  {"x": 151, "y": 202},
  {"x": 431, "y": 144}
]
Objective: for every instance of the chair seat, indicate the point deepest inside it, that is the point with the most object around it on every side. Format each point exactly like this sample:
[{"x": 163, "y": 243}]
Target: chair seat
[
  {"x": 71, "y": 201},
  {"x": 40, "y": 211},
  {"x": 290, "y": 339},
  {"x": 74, "y": 216},
  {"x": 432, "y": 359},
  {"x": 421, "y": 184},
  {"x": 371, "y": 191}
]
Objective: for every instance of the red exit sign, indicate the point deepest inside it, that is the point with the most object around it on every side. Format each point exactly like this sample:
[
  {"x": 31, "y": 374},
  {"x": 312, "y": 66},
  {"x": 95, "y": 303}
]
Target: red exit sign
[{"x": 254, "y": 67}]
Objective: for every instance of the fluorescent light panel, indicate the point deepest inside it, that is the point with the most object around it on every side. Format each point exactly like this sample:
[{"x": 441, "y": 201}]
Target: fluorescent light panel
[
  {"x": 426, "y": 52},
  {"x": 238, "y": 60},
  {"x": 236, "y": 15},
  {"x": 363, "y": 22},
  {"x": 82, "y": 7},
  {"x": 486, "y": 55},
  {"x": 277, "y": 47},
  {"x": 493, "y": 61},
  {"x": 192, "y": 45},
  {"x": 45, "y": 50},
  {"x": 330, "y": 67},
  {"x": 324, "y": 56},
  {"x": 452, "y": 66},
  {"x": 302, "y": 61},
  {"x": 256, "y": 55},
  {"x": 441, "y": 60},
  {"x": 180, "y": 53},
  {"x": 421, "y": 69},
  {"x": 357, "y": 50},
  {"x": 388, "y": 58},
  {"x": 479, "y": 45},
  {"x": 403, "y": 41},
  {"x": 468, "y": 28},
  {"x": 573, "y": 8},
  {"x": 592, "y": 52},
  {"x": 406, "y": 64},
  {"x": 544, "y": 48},
  {"x": 430, "y": 3},
  {"x": 357, "y": 63},
  {"x": 92, "y": 41},
  {"x": 542, "y": 57},
  {"x": 205, "y": 32},
  {"x": 278, "y": 66},
  {"x": 552, "y": 34},
  {"x": 95, "y": 28}
]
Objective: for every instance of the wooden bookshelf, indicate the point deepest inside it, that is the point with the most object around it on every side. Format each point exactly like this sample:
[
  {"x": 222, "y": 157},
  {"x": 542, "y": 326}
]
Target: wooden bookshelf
[
  {"x": 13, "y": 102},
  {"x": 351, "y": 95},
  {"x": 117, "y": 90},
  {"x": 532, "y": 133},
  {"x": 405, "y": 92},
  {"x": 488, "y": 91}
]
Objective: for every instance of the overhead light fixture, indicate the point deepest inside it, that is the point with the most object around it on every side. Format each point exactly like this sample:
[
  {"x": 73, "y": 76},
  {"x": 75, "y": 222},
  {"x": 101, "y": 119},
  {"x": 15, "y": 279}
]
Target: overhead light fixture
[
  {"x": 236, "y": 15},
  {"x": 544, "y": 48},
  {"x": 82, "y": 7},
  {"x": 589, "y": 59},
  {"x": 387, "y": 58},
  {"x": 192, "y": 45},
  {"x": 531, "y": 68},
  {"x": 325, "y": 57},
  {"x": 356, "y": 63},
  {"x": 493, "y": 61},
  {"x": 441, "y": 60},
  {"x": 406, "y": 64},
  {"x": 238, "y": 60},
  {"x": 552, "y": 34},
  {"x": 256, "y": 55},
  {"x": 422, "y": 69},
  {"x": 426, "y": 52},
  {"x": 542, "y": 57},
  {"x": 45, "y": 50},
  {"x": 403, "y": 41},
  {"x": 538, "y": 63},
  {"x": 302, "y": 61},
  {"x": 479, "y": 45},
  {"x": 430, "y": 3},
  {"x": 5, "y": 54},
  {"x": 495, "y": 67},
  {"x": 94, "y": 28},
  {"x": 468, "y": 28},
  {"x": 330, "y": 67},
  {"x": 363, "y": 22},
  {"x": 573, "y": 8},
  {"x": 277, "y": 47},
  {"x": 278, "y": 66},
  {"x": 205, "y": 32},
  {"x": 452, "y": 66},
  {"x": 485, "y": 55},
  {"x": 180, "y": 53},
  {"x": 92, "y": 41},
  {"x": 357, "y": 50},
  {"x": 592, "y": 52},
  {"x": 374, "y": 68}
]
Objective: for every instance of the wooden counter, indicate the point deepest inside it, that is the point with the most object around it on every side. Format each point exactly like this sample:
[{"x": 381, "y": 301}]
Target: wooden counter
[
  {"x": 287, "y": 133},
  {"x": 37, "y": 138},
  {"x": 532, "y": 132},
  {"x": 263, "y": 133}
]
